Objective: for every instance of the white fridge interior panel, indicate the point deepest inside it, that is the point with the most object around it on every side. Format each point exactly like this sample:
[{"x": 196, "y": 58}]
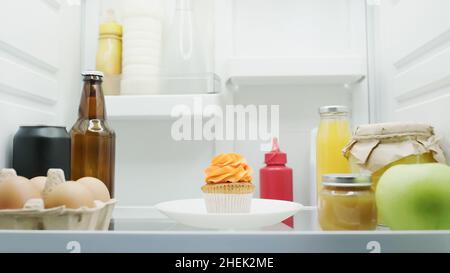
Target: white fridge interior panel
[
  {"x": 151, "y": 167},
  {"x": 414, "y": 68},
  {"x": 298, "y": 116},
  {"x": 40, "y": 85},
  {"x": 416, "y": 28},
  {"x": 39, "y": 66},
  {"x": 32, "y": 28},
  {"x": 299, "y": 28}
]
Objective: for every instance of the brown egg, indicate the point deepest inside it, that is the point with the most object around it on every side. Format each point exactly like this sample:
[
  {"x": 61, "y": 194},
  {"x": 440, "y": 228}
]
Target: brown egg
[
  {"x": 39, "y": 182},
  {"x": 70, "y": 194},
  {"x": 15, "y": 191},
  {"x": 96, "y": 187}
]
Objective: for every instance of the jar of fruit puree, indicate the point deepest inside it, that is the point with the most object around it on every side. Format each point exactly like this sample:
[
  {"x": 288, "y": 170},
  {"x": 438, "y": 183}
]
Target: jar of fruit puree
[{"x": 347, "y": 202}]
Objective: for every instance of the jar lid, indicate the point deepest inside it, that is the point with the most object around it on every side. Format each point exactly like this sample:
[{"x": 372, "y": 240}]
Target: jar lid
[
  {"x": 333, "y": 109},
  {"x": 346, "y": 180}
]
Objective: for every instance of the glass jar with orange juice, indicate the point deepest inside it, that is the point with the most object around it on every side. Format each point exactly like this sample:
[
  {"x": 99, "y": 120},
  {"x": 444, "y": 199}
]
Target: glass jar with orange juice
[{"x": 332, "y": 136}]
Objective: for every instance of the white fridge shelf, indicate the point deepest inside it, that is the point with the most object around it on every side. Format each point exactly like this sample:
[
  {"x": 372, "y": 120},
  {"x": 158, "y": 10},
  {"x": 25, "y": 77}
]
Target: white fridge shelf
[
  {"x": 157, "y": 106},
  {"x": 296, "y": 71},
  {"x": 151, "y": 232}
]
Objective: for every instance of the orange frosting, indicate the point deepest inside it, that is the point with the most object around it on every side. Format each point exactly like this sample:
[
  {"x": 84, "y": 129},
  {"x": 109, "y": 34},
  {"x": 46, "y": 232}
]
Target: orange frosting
[{"x": 228, "y": 168}]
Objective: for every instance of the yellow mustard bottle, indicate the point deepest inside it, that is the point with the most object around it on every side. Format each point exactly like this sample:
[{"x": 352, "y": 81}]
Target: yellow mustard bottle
[{"x": 109, "y": 53}]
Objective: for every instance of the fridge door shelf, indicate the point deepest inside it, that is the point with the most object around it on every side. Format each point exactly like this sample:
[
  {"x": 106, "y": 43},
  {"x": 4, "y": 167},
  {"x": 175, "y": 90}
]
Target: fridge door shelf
[{"x": 145, "y": 230}]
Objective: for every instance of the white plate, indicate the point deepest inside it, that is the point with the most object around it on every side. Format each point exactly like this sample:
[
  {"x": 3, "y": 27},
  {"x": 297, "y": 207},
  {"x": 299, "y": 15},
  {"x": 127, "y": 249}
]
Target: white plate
[{"x": 264, "y": 212}]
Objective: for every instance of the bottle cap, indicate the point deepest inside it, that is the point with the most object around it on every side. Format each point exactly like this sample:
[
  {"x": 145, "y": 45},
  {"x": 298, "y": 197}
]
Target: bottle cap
[
  {"x": 275, "y": 156},
  {"x": 346, "y": 180},
  {"x": 110, "y": 26},
  {"x": 92, "y": 73},
  {"x": 333, "y": 109}
]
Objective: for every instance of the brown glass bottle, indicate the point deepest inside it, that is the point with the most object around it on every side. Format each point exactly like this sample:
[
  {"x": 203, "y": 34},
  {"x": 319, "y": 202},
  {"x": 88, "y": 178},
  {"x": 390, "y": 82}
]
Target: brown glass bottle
[{"x": 93, "y": 141}]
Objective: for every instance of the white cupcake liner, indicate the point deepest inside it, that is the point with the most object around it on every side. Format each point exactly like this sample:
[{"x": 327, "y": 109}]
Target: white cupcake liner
[{"x": 228, "y": 203}]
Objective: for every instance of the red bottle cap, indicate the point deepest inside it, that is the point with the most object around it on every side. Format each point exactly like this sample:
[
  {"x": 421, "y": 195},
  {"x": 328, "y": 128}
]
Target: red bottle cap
[{"x": 275, "y": 157}]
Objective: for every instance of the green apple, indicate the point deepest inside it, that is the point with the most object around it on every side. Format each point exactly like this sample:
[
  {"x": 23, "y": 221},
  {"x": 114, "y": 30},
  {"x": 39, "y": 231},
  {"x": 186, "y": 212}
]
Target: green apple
[{"x": 415, "y": 197}]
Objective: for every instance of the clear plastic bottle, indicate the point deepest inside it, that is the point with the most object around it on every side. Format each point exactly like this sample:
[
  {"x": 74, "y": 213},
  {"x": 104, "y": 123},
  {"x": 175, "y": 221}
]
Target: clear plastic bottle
[{"x": 109, "y": 53}]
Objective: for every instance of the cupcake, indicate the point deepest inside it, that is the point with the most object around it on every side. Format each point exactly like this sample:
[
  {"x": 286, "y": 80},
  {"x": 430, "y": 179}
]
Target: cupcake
[{"x": 229, "y": 187}]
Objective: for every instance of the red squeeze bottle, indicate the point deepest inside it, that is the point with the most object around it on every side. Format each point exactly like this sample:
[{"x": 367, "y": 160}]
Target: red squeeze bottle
[{"x": 276, "y": 178}]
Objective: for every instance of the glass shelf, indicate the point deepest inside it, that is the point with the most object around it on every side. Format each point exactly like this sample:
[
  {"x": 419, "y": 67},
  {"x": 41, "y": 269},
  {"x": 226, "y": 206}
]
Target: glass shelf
[{"x": 154, "y": 233}]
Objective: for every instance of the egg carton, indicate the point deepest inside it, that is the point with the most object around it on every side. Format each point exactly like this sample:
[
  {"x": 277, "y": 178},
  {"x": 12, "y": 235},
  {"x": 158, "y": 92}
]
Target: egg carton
[{"x": 34, "y": 217}]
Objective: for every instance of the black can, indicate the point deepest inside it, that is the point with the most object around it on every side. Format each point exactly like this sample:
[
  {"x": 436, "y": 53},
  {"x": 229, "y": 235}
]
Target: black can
[{"x": 39, "y": 148}]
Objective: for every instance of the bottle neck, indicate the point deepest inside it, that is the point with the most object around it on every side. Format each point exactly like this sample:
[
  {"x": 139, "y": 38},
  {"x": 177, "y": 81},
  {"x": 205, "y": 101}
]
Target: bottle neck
[
  {"x": 277, "y": 165},
  {"x": 92, "y": 103},
  {"x": 336, "y": 116},
  {"x": 105, "y": 36}
]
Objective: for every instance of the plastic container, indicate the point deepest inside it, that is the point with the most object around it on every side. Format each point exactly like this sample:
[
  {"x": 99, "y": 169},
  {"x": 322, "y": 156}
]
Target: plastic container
[
  {"x": 109, "y": 53},
  {"x": 141, "y": 69},
  {"x": 141, "y": 85},
  {"x": 143, "y": 8},
  {"x": 276, "y": 178},
  {"x": 142, "y": 47}
]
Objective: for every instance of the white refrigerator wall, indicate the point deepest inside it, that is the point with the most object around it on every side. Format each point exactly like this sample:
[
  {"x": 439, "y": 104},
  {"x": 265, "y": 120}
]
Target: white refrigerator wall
[
  {"x": 39, "y": 65},
  {"x": 152, "y": 167},
  {"x": 308, "y": 32},
  {"x": 412, "y": 60}
]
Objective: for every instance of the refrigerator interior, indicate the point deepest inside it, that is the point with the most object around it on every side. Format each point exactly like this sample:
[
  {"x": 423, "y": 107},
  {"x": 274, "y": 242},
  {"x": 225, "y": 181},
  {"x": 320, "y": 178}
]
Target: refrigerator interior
[
  {"x": 318, "y": 58},
  {"x": 387, "y": 60}
]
